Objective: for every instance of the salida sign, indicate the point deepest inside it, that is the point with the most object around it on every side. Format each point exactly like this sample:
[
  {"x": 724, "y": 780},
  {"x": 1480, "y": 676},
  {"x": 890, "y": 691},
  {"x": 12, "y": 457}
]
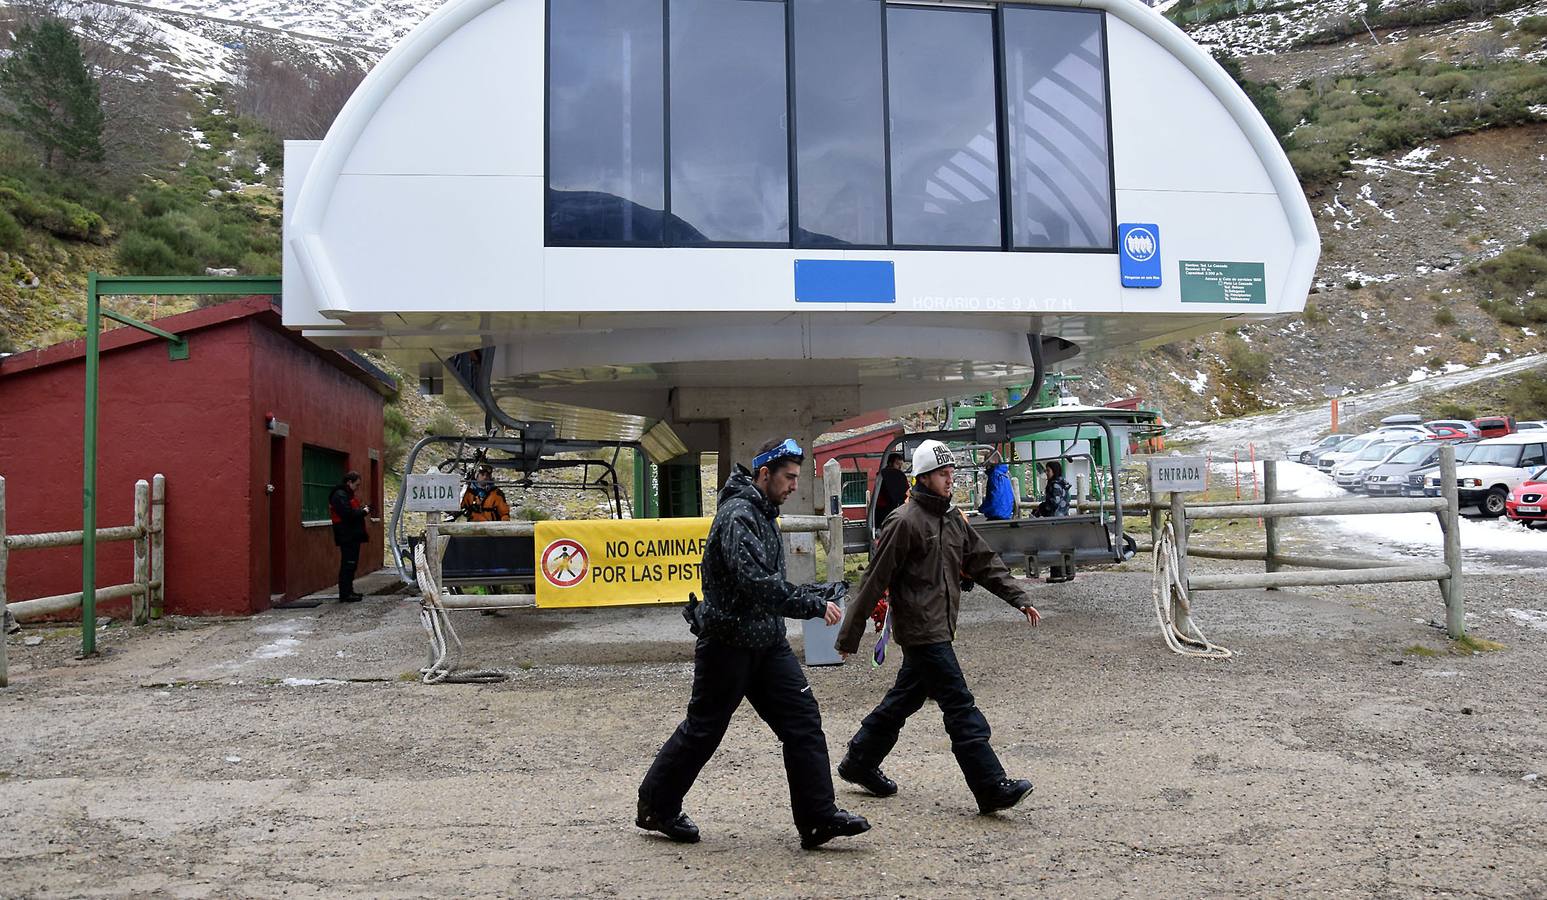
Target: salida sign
[
  {"x": 619, "y": 563},
  {"x": 433, "y": 492}
]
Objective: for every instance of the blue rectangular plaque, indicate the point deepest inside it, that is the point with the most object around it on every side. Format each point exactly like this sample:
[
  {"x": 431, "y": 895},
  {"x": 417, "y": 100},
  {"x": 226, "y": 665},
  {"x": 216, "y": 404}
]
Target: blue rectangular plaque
[
  {"x": 1138, "y": 253},
  {"x": 845, "y": 281}
]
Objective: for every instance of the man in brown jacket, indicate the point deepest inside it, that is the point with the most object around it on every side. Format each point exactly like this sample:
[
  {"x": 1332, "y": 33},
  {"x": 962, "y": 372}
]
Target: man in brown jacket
[{"x": 923, "y": 552}]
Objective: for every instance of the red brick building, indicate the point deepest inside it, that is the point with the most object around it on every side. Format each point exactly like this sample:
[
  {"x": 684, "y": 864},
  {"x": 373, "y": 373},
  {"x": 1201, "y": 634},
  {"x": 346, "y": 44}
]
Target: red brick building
[
  {"x": 859, "y": 457},
  {"x": 255, "y": 405}
]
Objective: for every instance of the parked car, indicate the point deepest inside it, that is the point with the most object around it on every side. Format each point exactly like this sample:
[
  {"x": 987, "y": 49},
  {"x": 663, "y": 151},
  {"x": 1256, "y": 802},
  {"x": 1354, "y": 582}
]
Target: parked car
[
  {"x": 1416, "y": 479},
  {"x": 1495, "y": 426},
  {"x": 1421, "y": 430},
  {"x": 1327, "y": 460},
  {"x": 1388, "y": 478},
  {"x": 1401, "y": 419},
  {"x": 1458, "y": 424},
  {"x": 1527, "y": 503},
  {"x": 1531, "y": 425},
  {"x": 1495, "y": 467},
  {"x": 1447, "y": 433},
  {"x": 1349, "y": 474},
  {"x": 1304, "y": 453}
]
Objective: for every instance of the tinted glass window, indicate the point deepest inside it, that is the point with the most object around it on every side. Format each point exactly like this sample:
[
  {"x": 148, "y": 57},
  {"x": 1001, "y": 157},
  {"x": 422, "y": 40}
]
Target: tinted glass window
[
  {"x": 1533, "y": 456},
  {"x": 840, "y": 168},
  {"x": 729, "y": 148},
  {"x": 606, "y": 119},
  {"x": 945, "y": 151},
  {"x": 1056, "y": 110}
]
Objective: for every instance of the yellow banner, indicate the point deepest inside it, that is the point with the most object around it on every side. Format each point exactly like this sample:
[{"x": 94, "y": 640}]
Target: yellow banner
[{"x": 619, "y": 562}]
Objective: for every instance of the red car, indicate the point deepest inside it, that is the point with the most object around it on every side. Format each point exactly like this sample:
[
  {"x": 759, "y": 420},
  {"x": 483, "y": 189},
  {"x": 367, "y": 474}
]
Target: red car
[
  {"x": 1527, "y": 503},
  {"x": 1495, "y": 426},
  {"x": 1446, "y": 433}
]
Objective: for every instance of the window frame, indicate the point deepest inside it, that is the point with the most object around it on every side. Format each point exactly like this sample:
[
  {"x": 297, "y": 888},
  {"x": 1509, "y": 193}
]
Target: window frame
[
  {"x": 1005, "y": 164},
  {"x": 343, "y": 460}
]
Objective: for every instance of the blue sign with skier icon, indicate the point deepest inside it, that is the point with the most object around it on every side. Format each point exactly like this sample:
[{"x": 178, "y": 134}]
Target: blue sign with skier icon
[{"x": 1138, "y": 253}]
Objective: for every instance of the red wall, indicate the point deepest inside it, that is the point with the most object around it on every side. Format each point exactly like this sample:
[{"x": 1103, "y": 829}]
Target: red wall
[
  {"x": 185, "y": 420},
  {"x": 323, "y": 407},
  {"x": 199, "y": 422},
  {"x": 869, "y": 442}
]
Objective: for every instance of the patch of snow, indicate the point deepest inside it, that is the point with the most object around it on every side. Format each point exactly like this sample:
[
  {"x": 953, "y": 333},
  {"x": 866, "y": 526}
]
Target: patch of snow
[
  {"x": 1420, "y": 351},
  {"x": 310, "y": 682},
  {"x": 1530, "y": 618}
]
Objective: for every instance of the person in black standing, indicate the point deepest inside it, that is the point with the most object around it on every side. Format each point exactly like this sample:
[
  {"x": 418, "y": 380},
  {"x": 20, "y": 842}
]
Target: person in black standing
[
  {"x": 891, "y": 489},
  {"x": 742, "y": 653},
  {"x": 348, "y": 515}
]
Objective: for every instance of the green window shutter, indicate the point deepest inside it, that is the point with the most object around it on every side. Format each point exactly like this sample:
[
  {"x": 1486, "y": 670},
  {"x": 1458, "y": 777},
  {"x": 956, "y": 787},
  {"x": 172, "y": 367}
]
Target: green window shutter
[
  {"x": 321, "y": 471},
  {"x": 852, "y": 492}
]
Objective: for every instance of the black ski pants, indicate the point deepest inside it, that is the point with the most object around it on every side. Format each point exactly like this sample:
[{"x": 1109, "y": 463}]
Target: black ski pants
[
  {"x": 771, "y": 678},
  {"x": 348, "y": 563},
  {"x": 930, "y": 672}
]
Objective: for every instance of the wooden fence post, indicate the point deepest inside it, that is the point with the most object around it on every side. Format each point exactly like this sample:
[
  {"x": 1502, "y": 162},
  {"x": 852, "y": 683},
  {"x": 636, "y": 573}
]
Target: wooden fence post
[
  {"x": 1270, "y": 523},
  {"x": 158, "y": 544},
  {"x": 1155, "y": 515},
  {"x": 1450, "y": 523},
  {"x": 832, "y": 481},
  {"x": 140, "y": 604},
  {"x": 1179, "y": 615}
]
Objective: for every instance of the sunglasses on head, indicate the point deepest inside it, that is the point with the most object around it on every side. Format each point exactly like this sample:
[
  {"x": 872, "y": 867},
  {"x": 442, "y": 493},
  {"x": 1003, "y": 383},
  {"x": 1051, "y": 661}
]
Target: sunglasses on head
[{"x": 788, "y": 449}]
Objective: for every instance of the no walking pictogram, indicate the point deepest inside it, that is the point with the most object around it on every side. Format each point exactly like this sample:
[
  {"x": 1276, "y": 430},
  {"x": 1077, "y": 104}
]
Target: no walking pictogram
[{"x": 564, "y": 563}]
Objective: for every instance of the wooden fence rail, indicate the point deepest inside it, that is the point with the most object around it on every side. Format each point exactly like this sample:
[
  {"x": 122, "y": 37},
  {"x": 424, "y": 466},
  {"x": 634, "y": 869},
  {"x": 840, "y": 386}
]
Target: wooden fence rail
[{"x": 146, "y": 590}]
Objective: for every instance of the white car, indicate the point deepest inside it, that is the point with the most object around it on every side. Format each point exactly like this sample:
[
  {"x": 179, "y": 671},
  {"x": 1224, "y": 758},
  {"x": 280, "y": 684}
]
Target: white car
[
  {"x": 1531, "y": 425},
  {"x": 1494, "y": 468},
  {"x": 1304, "y": 453},
  {"x": 1349, "y": 474},
  {"x": 1347, "y": 450}
]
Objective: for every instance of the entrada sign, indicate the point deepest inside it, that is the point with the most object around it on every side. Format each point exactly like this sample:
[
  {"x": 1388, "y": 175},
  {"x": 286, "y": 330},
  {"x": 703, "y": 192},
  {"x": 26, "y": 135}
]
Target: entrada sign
[{"x": 1179, "y": 474}]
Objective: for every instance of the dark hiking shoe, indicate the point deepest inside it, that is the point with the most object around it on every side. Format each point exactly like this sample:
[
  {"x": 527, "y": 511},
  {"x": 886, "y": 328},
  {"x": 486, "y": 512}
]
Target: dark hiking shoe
[
  {"x": 351, "y": 598},
  {"x": 679, "y": 828},
  {"x": 871, "y": 779},
  {"x": 1002, "y": 794},
  {"x": 841, "y": 824}
]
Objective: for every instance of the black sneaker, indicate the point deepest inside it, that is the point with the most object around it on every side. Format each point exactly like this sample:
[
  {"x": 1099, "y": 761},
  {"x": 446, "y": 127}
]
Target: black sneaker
[
  {"x": 351, "y": 598},
  {"x": 841, "y": 824},
  {"x": 679, "y": 828},
  {"x": 1002, "y": 794},
  {"x": 871, "y": 779}
]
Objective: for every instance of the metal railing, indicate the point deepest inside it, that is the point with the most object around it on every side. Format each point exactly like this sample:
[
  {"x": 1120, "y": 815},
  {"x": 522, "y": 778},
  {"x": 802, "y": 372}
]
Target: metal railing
[{"x": 147, "y": 588}]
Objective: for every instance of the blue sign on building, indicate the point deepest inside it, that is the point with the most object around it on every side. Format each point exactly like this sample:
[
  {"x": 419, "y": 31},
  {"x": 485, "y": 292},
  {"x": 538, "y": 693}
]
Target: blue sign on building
[
  {"x": 1138, "y": 253},
  {"x": 845, "y": 281}
]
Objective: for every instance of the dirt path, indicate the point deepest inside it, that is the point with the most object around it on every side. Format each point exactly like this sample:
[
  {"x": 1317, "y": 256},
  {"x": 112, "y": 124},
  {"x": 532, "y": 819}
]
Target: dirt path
[{"x": 1323, "y": 759}]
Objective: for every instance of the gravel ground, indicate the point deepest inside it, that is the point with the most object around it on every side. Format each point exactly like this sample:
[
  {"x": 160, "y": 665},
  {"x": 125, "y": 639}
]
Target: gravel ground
[{"x": 1326, "y": 758}]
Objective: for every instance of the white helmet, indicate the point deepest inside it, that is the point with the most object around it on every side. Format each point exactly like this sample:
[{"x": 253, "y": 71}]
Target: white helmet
[{"x": 931, "y": 455}]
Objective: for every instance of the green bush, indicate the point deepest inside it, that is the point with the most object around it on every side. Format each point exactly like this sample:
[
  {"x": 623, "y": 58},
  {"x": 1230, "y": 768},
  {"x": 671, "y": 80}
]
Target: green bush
[
  {"x": 1534, "y": 24},
  {"x": 11, "y": 235},
  {"x": 1443, "y": 316},
  {"x": 1449, "y": 410},
  {"x": 1250, "y": 367},
  {"x": 1527, "y": 397},
  {"x": 143, "y": 254}
]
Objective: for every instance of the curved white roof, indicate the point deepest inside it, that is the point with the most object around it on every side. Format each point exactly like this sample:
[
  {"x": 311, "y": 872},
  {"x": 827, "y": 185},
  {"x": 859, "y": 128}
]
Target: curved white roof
[{"x": 417, "y": 226}]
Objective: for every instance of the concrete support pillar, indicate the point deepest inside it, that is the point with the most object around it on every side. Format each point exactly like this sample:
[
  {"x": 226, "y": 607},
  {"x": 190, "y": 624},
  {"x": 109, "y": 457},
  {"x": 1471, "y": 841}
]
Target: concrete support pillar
[{"x": 749, "y": 417}]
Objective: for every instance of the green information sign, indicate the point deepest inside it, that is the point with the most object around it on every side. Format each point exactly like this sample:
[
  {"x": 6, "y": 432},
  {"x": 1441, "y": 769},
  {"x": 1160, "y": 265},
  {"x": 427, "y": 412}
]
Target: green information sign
[{"x": 1222, "y": 282}]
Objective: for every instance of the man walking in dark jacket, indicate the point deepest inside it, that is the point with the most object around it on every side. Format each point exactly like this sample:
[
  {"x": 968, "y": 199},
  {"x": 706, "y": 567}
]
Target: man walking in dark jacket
[
  {"x": 922, "y": 554},
  {"x": 742, "y": 653},
  {"x": 348, "y": 516},
  {"x": 891, "y": 489}
]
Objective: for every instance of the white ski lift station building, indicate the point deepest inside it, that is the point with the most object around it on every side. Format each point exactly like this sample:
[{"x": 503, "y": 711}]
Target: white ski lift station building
[{"x": 753, "y": 218}]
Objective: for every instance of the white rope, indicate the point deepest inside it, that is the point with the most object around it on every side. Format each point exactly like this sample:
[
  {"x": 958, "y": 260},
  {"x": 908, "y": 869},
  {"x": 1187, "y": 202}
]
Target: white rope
[
  {"x": 1170, "y": 594},
  {"x": 445, "y": 646}
]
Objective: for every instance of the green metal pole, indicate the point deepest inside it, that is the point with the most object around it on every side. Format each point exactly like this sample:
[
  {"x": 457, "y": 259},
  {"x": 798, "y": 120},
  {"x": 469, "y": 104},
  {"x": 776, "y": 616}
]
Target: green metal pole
[{"x": 89, "y": 490}]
